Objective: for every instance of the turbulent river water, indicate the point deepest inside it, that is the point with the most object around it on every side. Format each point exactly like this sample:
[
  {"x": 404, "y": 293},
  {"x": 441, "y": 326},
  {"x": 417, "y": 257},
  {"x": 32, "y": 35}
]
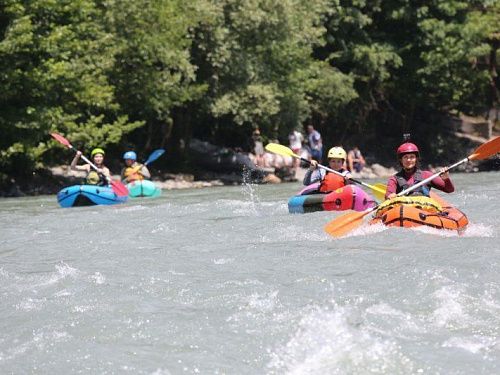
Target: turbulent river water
[{"x": 226, "y": 281}]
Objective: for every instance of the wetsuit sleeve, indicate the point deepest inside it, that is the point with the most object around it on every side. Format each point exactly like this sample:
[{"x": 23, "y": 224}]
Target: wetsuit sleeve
[
  {"x": 439, "y": 183},
  {"x": 391, "y": 186},
  {"x": 312, "y": 176},
  {"x": 347, "y": 177}
]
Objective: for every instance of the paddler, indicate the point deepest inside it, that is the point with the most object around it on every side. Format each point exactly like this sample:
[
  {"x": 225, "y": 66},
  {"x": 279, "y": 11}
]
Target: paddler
[
  {"x": 410, "y": 174},
  {"x": 99, "y": 177},
  {"x": 133, "y": 170},
  {"x": 329, "y": 181}
]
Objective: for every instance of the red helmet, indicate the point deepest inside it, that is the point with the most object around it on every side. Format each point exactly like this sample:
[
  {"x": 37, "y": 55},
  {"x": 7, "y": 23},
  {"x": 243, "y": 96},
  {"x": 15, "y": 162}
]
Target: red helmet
[{"x": 407, "y": 148}]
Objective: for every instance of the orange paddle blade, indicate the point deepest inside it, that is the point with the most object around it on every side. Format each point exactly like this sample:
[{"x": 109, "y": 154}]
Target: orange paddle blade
[
  {"x": 342, "y": 225},
  {"x": 486, "y": 150}
]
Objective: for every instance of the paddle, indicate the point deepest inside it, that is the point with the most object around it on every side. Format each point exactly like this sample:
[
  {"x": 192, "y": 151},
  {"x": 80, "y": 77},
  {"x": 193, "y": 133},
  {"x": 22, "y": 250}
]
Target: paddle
[
  {"x": 119, "y": 189},
  {"x": 154, "y": 155},
  {"x": 348, "y": 222},
  {"x": 432, "y": 195},
  {"x": 285, "y": 151}
]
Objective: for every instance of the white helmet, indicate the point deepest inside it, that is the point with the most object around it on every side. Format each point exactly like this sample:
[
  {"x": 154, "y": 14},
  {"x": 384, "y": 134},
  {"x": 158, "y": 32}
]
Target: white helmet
[{"x": 337, "y": 153}]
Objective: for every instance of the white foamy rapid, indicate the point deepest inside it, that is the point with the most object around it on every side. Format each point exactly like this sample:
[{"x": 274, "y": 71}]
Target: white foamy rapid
[{"x": 225, "y": 281}]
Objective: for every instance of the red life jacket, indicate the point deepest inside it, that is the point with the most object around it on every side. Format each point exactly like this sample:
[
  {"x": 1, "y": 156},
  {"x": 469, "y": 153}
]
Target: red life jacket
[{"x": 331, "y": 182}]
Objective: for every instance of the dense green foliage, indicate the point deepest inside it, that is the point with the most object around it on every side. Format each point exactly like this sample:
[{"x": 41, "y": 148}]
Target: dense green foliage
[{"x": 145, "y": 74}]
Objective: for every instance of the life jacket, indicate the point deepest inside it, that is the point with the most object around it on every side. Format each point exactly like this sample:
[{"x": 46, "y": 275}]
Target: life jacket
[
  {"x": 402, "y": 183},
  {"x": 331, "y": 182},
  {"x": 133, "y": 173},
  {"x": 95, "y": 178}
]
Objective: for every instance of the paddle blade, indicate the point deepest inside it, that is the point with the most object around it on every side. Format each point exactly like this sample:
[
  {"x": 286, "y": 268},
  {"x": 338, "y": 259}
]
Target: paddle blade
[
  {"x": 119, "y": 189},
  {"x": 486, "y": 150},
  {"x": 154, "y": 155},
  {"x": 59, "y": 138},
  {"x": 379, "y": 190},
  {"x": 276, "y": 148},
  {"x": 342, "y": 225}
]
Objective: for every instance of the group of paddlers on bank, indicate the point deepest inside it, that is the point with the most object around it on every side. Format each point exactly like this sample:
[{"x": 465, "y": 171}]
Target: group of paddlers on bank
[{"x": 309, "y": 147}]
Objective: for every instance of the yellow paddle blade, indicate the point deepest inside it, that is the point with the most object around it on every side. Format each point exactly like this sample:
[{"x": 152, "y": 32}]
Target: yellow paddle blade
[
  {"x": 379, "y": 190},
  {"x": 486, "y": 150},
  {"x": 342, "y": 225},
  {"x": 276, "y": 148}
]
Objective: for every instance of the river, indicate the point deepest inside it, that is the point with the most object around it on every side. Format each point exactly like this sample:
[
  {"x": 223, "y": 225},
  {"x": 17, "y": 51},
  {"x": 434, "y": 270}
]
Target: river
[{"x": 225, "y": 281}]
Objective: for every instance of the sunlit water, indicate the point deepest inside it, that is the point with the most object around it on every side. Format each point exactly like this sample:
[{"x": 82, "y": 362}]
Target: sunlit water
[{"x": 225, "y": 280}]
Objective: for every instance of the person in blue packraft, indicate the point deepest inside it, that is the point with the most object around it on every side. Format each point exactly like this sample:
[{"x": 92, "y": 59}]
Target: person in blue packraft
[
  {"x": 102, "y": 176},
  {"x": 133, "y": 170}
]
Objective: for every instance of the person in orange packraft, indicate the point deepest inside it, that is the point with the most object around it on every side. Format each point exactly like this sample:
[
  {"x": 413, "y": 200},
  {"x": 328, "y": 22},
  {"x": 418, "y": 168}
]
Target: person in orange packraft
[
  {"x": 329, "y": 181},
  {"x": 410, "y": 174}
]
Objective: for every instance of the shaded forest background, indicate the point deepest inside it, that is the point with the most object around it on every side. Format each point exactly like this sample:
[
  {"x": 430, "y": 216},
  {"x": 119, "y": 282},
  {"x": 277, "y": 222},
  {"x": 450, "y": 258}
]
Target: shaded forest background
[{"x": 128, "y": 74}]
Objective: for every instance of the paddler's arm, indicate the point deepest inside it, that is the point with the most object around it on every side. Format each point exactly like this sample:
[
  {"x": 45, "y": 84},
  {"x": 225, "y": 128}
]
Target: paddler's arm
[
  {"x": 313, "y": 174},
  {"x": 75, "y": 167},
  {"x": 391, "y": 188},
  {"x": 105, "y": 171},
  {"x": 145, "y": 172},
  {"x": 442, "y": 182},
  {"x": 347, "y": 177}
]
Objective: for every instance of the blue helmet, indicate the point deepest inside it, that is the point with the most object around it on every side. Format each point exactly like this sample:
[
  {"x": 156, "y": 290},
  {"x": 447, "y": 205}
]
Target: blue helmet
[{"x": 130, "y": 155}]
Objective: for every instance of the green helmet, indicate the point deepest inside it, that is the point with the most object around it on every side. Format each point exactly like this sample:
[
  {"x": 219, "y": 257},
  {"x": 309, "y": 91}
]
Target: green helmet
[{"x": 97, "y": 151}]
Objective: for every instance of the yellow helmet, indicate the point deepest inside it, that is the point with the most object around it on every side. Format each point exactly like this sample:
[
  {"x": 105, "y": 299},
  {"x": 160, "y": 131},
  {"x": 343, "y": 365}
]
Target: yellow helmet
[
  {"x": 97, "y": 151},
  {"x": 337, "y": 153}
]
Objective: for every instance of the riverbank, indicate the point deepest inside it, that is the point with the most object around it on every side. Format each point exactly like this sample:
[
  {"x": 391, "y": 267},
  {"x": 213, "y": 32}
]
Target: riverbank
[{"x": 50, "y": 181}]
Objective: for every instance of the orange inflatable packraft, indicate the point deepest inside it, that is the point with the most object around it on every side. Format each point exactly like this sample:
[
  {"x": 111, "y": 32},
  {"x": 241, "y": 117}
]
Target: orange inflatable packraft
[{"x": 400, "y": 214}]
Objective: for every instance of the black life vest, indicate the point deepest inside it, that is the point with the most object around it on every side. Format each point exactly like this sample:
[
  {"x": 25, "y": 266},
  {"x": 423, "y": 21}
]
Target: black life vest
[{"x": 402, "y": 183}]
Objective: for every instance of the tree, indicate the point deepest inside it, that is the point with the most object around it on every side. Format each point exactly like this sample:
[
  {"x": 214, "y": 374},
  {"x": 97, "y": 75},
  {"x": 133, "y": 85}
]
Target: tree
[{"x": 54, "y": 59}]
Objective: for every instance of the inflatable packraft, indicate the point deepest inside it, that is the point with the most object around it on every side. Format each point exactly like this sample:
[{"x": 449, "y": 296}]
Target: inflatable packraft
[
  {"x": 143, "y": 188},
  {"x": 417, "y": 211},
  {"x": 349, "y": 197},
  {"x": 88, "y": 195}
]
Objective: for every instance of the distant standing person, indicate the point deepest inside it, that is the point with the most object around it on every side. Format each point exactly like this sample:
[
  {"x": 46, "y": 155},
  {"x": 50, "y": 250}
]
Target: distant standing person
[
  {"x": 296, "y": 138},
  {"x": 258, "y": 147},
  {"x": 355, "y": 160},
  {"x": 315, "y": 143}
]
